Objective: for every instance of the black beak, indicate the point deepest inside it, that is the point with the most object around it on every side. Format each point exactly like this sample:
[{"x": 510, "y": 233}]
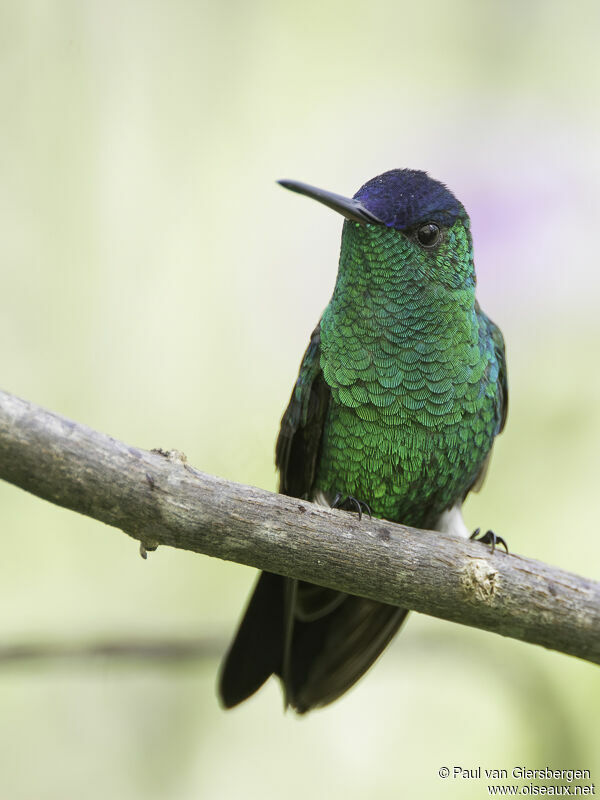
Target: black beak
[{"x": 346, "y": 206}]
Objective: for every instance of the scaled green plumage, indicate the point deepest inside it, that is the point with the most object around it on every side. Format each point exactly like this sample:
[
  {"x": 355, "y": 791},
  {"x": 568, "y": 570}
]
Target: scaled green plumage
[{"x": 413, "y": 370}]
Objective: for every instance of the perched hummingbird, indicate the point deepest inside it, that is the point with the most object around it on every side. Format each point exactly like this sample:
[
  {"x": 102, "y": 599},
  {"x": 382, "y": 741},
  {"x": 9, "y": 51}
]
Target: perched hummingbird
[{"x": 399, "y": 397}]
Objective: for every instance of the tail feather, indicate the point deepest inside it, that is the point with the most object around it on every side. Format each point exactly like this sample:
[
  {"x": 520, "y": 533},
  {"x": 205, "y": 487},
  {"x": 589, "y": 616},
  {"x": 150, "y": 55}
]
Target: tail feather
[
  {"x": 318, "y": 641},
  {"x": 256, "y": 652},
  {"x": 332, "y": 655}
]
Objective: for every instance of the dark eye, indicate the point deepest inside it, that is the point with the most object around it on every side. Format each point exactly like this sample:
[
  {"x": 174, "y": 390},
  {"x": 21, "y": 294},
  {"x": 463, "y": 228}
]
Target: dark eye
[{"x": 429, "y": 234}]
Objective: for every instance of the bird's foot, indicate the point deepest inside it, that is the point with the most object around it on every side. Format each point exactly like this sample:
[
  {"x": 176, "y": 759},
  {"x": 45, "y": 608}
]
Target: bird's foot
[
  {"x": 346, "y": 502},
  {"x": 489, "y": 537}
]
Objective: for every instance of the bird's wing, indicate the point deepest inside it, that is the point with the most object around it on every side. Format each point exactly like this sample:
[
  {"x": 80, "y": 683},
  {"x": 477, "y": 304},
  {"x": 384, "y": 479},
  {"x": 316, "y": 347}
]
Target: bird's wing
[
  {"x": 499, "y": 349},
  {"x": 501, "y": 407},
  {"x": 299, "y": 440}
]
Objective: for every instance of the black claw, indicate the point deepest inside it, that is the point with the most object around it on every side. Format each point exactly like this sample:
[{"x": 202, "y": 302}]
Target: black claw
[
  {"x": 489, "y": 537},
  {"x": 366, "y": 508},
  {"x": 337, "y": 500},
  {"x": 343, "y": 501}
]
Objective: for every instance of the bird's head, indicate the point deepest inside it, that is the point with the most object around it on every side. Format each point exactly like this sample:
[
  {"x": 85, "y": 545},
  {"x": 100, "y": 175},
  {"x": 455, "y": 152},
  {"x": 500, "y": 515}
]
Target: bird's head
[{"x": 412, "y": 220}]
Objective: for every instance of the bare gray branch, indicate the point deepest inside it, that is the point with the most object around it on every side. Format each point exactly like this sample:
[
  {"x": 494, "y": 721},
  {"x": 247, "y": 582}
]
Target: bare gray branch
[{"x": 159, "y": 499}]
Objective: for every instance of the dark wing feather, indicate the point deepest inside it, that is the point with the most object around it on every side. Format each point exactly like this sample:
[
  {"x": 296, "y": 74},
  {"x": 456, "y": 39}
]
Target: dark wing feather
[
  {"x": 298, "y": 444},
  {"x": 502, "y": 397},
  {"x": 500, "y": 350}
]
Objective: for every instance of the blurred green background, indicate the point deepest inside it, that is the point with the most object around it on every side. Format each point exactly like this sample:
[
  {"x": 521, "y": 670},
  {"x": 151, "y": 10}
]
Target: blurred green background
[{"x": 157, "y": 285}]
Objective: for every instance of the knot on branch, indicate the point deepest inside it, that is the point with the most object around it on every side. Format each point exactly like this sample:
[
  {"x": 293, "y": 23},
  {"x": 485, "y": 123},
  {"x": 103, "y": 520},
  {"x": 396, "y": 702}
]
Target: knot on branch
[{"x": 480, "y": 579}]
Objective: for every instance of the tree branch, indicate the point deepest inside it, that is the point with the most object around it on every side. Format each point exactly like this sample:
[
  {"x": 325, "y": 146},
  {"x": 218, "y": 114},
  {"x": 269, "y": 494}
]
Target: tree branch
[
  {"x": 157, "y": 498},
  {"x": 129, "y": 649}
]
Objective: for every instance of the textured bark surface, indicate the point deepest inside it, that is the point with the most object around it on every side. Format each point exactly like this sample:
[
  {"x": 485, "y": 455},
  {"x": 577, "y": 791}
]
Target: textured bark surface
[{"x": 157, "y": 498}]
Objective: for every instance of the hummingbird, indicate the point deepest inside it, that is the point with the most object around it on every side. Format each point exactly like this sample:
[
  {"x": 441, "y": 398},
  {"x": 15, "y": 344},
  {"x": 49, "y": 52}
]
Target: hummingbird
[{"x": 399, "y": 397}]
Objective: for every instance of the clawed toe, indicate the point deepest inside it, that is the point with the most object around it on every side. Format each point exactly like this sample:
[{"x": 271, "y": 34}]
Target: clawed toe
[
  {"x": 349, "y": 503},
  {"x": 489, "y": 537}
]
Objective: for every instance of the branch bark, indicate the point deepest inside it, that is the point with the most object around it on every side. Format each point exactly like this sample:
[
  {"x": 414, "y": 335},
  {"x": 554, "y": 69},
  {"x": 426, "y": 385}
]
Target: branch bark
[{"x": 158, "y": 499}]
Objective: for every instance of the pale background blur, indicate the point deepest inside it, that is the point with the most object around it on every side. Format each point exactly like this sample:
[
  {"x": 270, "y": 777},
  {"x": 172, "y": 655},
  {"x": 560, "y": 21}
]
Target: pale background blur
[{"x": 158, "y": 285}]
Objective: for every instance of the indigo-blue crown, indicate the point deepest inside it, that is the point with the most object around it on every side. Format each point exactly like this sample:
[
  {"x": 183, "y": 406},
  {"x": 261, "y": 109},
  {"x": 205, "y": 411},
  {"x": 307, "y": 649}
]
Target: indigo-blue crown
[{"x": 402, "y": 198}]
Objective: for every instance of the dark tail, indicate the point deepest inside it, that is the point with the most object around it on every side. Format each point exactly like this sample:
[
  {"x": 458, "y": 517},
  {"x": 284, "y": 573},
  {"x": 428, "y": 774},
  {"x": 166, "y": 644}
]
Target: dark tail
[
  {"x": 255, "y": 653},
  {"x": 318, "y": 641}
]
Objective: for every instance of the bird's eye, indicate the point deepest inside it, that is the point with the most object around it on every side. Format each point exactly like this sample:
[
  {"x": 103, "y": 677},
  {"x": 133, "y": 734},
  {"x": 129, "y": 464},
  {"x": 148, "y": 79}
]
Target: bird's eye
[{"x": 429, "y": 234}]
